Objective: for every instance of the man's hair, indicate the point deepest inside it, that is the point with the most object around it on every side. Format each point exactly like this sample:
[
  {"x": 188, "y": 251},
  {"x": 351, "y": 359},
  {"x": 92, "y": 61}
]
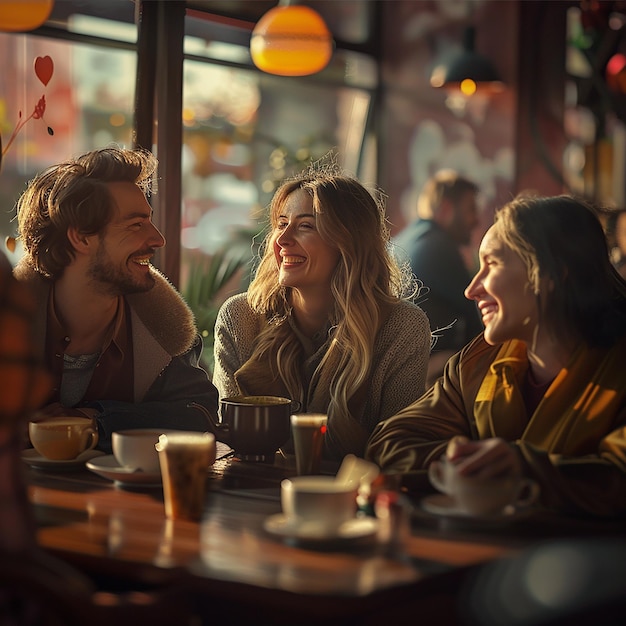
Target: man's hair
[
  {"x": 75, "y": 194},
  {"x": 444, "y": 185}
]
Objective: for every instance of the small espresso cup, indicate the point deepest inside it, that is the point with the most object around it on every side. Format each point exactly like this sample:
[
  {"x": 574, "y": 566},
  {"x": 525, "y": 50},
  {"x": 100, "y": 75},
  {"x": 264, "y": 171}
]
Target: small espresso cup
[
  {"x": 479, "y": 496},
  {"x": 135, "y": 449},
  {"x": 319, "y": 501},
  {"x": 307, "y": 431},
  {"x": 63, "y": 438}
]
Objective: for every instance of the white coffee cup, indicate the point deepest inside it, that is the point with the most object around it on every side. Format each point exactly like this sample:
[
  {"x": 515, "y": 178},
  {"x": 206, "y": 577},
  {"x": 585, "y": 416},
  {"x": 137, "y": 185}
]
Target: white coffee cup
[
  {"x": 135, "y": 448},
  {"x": 319, "y": 501},
  {"x": 479, "y": 496}
]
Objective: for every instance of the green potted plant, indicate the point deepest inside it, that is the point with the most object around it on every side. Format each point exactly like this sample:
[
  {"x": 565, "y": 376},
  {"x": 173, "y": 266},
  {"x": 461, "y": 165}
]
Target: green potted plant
[{"x": 212, "y": 279}]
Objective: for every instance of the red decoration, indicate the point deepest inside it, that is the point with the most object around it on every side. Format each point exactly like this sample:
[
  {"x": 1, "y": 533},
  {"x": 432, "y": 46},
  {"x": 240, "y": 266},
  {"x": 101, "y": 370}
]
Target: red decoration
[
  {"x": 44, "y": 68},
  {"x": 616, "y": 73}
]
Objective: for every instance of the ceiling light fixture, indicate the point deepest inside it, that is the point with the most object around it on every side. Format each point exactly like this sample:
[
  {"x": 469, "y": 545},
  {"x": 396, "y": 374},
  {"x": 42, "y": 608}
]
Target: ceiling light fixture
[
  {"x": 467, "y": 72},
  {"x": 291, "y": 40},
  {"x": 23, "y": 15}
]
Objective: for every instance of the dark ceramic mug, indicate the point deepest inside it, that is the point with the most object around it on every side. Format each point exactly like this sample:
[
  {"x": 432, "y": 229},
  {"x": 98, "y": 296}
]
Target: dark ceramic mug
[{"x": 255, "y": 426}]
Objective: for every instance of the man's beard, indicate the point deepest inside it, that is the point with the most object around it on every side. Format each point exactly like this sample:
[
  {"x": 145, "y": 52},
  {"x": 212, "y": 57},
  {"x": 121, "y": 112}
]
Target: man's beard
[{"x": 115, "y": 282}]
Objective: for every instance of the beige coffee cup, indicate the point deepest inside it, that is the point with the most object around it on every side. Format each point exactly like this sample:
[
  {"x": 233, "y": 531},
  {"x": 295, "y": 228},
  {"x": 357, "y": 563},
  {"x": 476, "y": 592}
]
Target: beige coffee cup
[
  {"x": 308, "y": 431},
  {"x": 321, "y": 502},
  {"x": 479, "y": 496},
  {"x": 63, "y": 438},
  {"x": 185, "y": 458}
]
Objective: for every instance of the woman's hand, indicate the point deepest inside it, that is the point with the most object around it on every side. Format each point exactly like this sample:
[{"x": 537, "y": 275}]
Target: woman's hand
[{"x": 487, "y": 458}]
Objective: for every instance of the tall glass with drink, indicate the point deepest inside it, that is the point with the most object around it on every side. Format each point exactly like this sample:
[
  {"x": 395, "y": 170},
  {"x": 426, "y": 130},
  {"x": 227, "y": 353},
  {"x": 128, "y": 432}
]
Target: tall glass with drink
[
  {"x": 185, "y": 458},
  {"x": 308, "y": 431}
]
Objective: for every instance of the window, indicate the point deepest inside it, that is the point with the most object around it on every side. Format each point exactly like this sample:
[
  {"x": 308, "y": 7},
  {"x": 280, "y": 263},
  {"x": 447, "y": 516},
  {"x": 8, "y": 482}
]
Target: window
[
  {"x": 89, "y": 104},
  {"x": 243, "y": 130}
]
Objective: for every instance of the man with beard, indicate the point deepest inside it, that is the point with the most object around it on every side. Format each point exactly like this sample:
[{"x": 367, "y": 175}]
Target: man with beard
[
  {"x": 120, "y": 342},
  {"x": 445, "y": 218}
]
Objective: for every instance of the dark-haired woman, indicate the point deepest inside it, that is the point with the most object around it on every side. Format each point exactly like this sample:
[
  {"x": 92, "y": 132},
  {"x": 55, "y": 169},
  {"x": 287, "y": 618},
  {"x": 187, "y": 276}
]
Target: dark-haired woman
[{"x": 542, "y": 391}]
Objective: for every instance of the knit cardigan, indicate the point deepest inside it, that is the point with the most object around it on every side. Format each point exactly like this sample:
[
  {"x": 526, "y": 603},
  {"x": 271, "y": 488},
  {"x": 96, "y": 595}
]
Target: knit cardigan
[{"x": 397, "y": 378}]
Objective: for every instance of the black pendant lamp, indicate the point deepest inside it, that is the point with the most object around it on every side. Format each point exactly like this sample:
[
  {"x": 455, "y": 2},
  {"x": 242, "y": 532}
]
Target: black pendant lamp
[{"x": 467, "y": 72}]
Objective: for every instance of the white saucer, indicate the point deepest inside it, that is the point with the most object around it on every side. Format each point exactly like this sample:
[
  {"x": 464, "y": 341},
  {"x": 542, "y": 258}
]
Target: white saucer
[
  {"x": 357, "y": 528},
  {"x": 108, "y": 467},
  {"x": 36, "y": 461},
  {"x": 442, "y": 504}
]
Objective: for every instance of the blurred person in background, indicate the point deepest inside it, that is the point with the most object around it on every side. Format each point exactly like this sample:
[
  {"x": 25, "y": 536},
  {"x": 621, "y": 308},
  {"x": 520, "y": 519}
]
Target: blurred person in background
[
  {"x": 446, "y": 215},
  {"x": 326, "y": 322},
  {"x": 118, "y": 339},
  {"x": 541, "y": 392}
]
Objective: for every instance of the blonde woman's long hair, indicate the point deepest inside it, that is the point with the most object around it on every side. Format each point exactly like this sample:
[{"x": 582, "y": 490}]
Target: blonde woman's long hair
[{"x": 366, "y": 280}]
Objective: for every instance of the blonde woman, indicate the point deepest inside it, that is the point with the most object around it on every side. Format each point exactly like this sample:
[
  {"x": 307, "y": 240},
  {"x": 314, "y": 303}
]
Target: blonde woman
[{"x": 324, "y": 321}]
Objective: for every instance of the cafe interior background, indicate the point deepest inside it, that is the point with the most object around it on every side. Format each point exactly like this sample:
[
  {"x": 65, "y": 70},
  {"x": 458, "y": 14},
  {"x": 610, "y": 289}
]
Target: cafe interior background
[{"x": 546, "y": 113}]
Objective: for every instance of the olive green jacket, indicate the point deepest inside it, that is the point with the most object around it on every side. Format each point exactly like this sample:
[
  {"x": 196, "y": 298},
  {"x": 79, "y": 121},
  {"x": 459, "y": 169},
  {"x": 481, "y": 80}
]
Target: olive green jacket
[{"x": 573, "y": 445}]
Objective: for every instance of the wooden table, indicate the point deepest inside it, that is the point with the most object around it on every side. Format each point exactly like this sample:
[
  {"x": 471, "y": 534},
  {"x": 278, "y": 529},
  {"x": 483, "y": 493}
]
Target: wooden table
[{"x": 232, "y": 566}]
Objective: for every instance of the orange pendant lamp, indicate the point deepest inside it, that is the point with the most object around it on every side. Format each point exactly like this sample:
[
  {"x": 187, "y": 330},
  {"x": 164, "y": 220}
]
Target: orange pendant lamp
[
  {"x": 23, "y": 15},
  {"x": 291, "y": 40}
]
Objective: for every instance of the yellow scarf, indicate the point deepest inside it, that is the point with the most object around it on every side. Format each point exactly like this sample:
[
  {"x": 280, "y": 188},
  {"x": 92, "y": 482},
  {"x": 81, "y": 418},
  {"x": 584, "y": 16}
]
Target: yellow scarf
[{"x": 577, "y": 410}]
